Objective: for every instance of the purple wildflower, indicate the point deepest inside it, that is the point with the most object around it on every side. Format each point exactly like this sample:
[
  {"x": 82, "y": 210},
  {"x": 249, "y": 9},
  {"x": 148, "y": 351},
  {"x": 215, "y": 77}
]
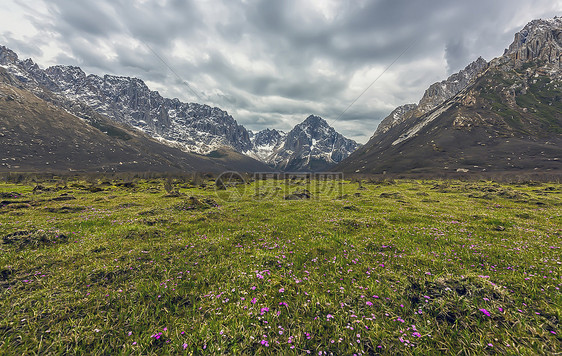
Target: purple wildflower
[{"x": 487, "y": 313}]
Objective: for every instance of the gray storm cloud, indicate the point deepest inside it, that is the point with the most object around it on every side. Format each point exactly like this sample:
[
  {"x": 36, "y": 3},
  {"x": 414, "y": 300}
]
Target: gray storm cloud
[{"x": 272, "y": 63}]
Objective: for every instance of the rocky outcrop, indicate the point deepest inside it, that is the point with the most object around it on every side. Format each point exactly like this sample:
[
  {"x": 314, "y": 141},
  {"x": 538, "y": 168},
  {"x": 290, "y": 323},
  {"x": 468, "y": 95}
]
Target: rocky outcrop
[
  {"x": 396, "y": 117},
  {"x": 439, "y": 92},
  {"x": 538, "y": 40}
]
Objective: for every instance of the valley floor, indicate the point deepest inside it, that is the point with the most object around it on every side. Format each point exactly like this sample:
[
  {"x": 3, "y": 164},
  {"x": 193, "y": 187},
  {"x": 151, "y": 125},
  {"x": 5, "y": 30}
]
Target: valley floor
[{"x": 389, "y": 267}]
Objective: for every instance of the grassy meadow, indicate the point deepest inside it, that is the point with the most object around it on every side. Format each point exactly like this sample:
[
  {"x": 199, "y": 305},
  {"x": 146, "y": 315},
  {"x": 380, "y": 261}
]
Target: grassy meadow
[{"x": 383, "y": 267}]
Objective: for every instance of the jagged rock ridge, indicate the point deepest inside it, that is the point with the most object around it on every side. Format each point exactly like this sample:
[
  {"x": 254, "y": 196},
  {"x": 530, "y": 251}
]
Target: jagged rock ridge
[
  {"x": 396, "y": 117},
  {"x": 193, "y": 127},
  {"x": 435, "y": 95},
  {"x": 538, "y": 40}
]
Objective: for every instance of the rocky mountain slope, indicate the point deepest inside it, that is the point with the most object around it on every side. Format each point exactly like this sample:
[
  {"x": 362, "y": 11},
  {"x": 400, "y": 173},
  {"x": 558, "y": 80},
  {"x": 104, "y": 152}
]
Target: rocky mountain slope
[
  {"x": 311, "y": 145},
  {"x": 435, "y": 95},
  {"x": 37, "y": 135},
  {"x": 508, "y": 117},
  {"x": 190, "y": 127},
  {"x": 193, "y": 127}
]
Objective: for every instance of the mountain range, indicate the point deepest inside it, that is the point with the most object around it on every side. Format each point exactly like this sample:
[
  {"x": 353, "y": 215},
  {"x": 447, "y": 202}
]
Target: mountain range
[
  {"x": 190, "y": 127},
  {"x": 502, "y": 116},
  {"x": 38, "y": 135}
]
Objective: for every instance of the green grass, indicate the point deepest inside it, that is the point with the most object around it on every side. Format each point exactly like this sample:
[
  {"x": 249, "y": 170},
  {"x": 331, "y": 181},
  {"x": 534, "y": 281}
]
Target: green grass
[
  {"x": 544, "y": 98},
  {"x": 405, "y": 267}
]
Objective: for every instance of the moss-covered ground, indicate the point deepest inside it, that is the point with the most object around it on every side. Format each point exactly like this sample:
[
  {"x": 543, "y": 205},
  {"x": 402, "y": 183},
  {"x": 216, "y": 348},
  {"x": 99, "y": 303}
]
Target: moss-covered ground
[{"x": 389, "y": 267}]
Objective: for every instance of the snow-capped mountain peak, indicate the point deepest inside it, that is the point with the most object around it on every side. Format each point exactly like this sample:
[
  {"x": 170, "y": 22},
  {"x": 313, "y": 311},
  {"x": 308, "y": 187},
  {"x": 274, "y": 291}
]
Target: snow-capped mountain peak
[{"x": 313, "y": 144}]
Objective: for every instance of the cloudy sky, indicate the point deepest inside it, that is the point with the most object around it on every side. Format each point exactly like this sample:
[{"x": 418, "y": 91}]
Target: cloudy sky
[{"x": 272, "y": 63}]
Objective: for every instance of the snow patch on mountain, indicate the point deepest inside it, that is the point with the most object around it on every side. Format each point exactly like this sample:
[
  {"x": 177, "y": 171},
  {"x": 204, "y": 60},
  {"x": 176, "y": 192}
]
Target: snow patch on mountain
[{"x": 189, "y": 126}]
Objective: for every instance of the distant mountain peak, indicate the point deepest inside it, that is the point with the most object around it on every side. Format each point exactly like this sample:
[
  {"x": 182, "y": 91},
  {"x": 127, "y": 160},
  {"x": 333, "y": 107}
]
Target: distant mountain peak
[
  {"x": 311, "y": 145},
  {"x": 314, "y": 144},
  {"x": 7, "y": 56},
  {"x": 314, "y": 120}
]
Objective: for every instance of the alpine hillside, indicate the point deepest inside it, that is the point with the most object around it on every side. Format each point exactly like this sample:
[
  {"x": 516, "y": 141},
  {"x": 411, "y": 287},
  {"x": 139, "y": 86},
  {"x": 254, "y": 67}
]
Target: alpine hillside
[{"x": 504, "y": 116}]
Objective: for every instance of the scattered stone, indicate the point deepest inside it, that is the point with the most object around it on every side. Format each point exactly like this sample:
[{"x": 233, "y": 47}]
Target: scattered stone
[
  {"x": 41, "y": 188},
  {"x": 391, "y": 195},
  {"x": 299, "y": 195},
  {"x": 126, "y": 184}
]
